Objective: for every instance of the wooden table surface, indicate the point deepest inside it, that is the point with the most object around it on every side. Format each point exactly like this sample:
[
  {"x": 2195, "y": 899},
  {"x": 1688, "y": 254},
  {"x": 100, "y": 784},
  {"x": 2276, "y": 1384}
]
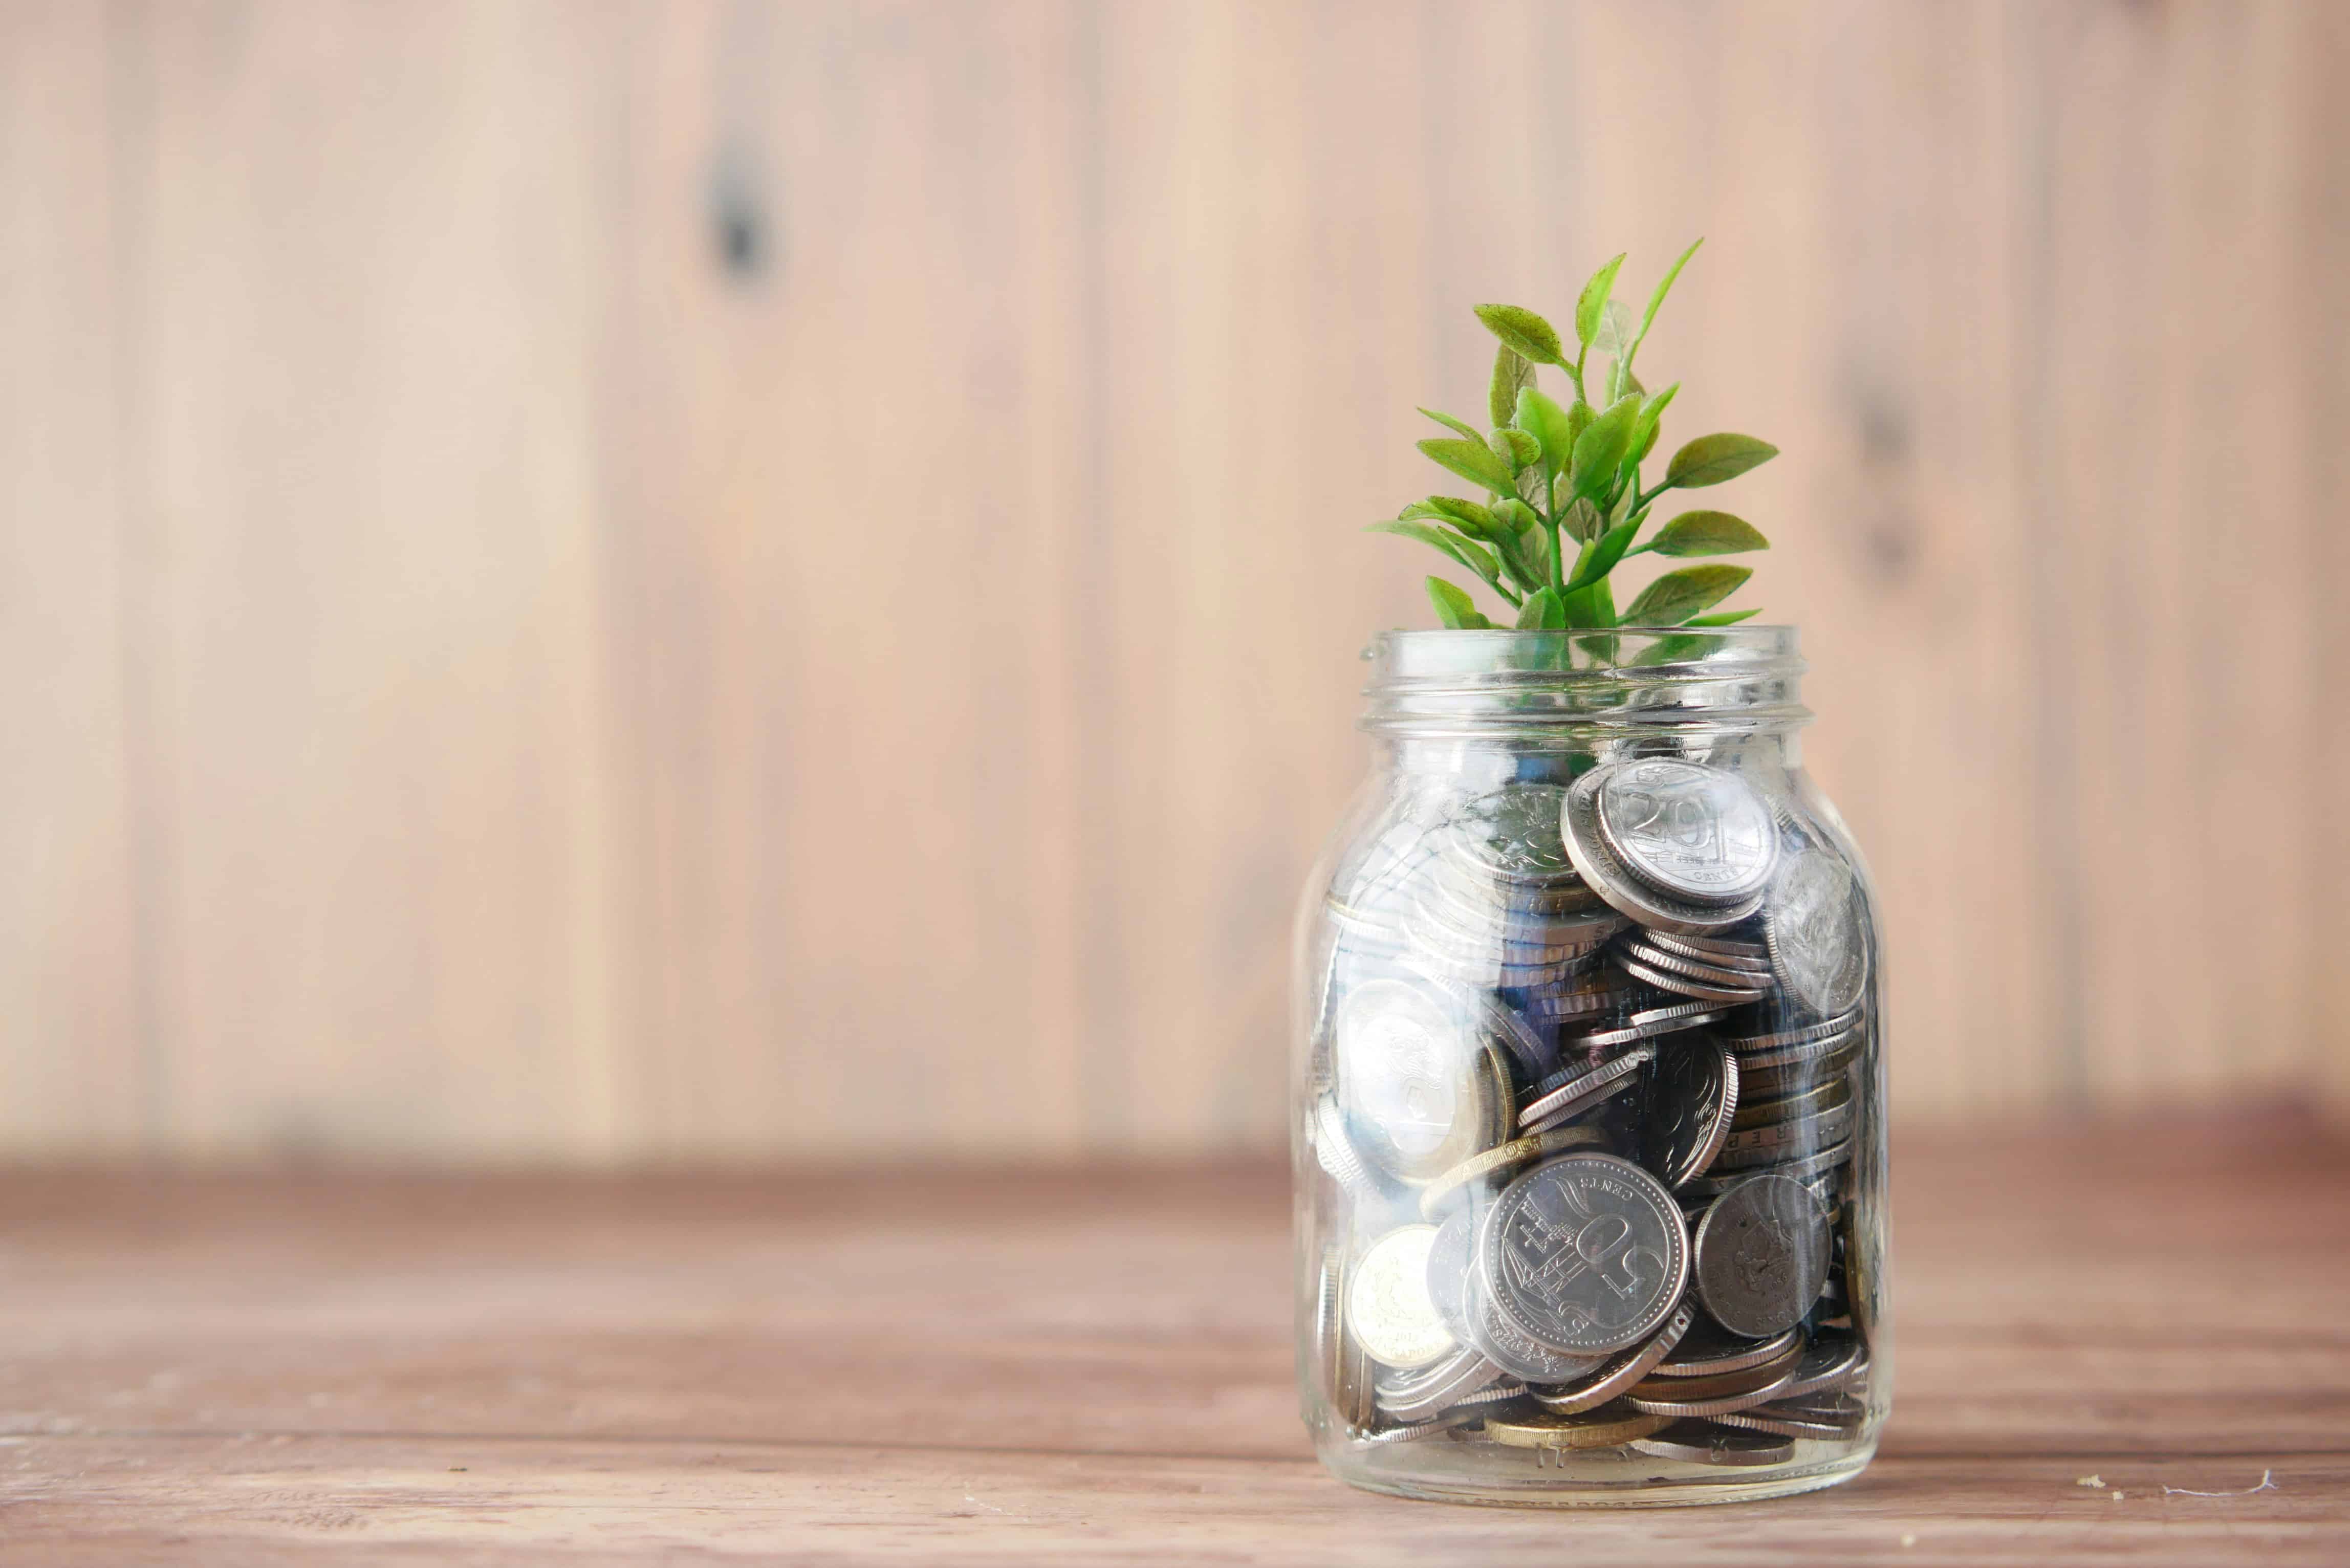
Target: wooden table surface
[{"x": 1089, "y": 1366}]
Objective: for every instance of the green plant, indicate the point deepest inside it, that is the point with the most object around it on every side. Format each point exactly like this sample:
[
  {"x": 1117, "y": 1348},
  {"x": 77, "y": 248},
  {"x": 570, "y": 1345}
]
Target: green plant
[{"x": 1557, "y": 473}]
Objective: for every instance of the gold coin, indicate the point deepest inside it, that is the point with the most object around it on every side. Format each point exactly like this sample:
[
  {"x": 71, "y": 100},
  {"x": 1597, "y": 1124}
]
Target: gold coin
[
  {"x": 1518, "y": 1151},
  {"x": 1608, "y": 1426}
]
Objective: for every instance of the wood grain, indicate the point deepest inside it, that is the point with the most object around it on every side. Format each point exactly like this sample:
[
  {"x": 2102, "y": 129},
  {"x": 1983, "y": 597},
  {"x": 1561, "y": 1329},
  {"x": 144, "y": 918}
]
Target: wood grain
[
  {"x": 737, "y": 581},
  {"x": 1087, "y": 1364}
]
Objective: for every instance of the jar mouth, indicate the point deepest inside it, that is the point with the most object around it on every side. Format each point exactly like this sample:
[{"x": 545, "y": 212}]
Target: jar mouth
[{"x": 1742, "y": 678}]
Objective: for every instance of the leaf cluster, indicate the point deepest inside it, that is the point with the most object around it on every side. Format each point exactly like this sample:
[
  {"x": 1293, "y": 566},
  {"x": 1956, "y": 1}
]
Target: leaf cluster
[{"x": 1564, "y": 504}]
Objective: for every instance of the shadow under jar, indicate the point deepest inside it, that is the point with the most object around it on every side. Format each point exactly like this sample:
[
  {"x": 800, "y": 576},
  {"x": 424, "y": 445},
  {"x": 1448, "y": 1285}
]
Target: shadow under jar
[{"x": 1588, "y": 1084}]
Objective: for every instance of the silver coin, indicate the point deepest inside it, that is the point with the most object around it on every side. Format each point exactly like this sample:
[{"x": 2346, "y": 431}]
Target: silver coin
[
  {"x": 1780, "y": 1081},
  {"x": 1818, "y": 1099},
  {"x": 1388, "y": 1309},
  {"x": 1817, "y": 929},
  {"x": 1511, "y": 1348},
  {"x": 1751, "y": 1149},
  {"x": 1729, "y": 951},
  {"x": 1512, "y": 833},
  {"x": 1626, "y": 1368},
  {"x": 1580, "y": 1107},
  {"x": 1335, "y": 1153},
  {"x": 1650, "y": 1023},
  {"x": 1414, "y": 1431},
  {"x": 1601, "y": 993},
  {"x": 1690, "y": 1110},
  {"x": 1688, "y": 830},
  {"x": 1715, "y": 1182},
  {"x": 1762, "y": 1256},
  {"x": 1746, "y": 1044},
  {"x": 1827, "y": 1421},
  {"x": 1621, "y": 887},
  {"x": 1665, "y": 979},
  {"x": 1553, "y": 1094},
  {"x": 1450, "y": 1259},
  {"x": 1659, "y": 1398},
  {"x": 1503, "y": 1026},
  {"x": 1586, "y": 1253},
  {"x": 1704, "y": 1443},
  {"x": 1414, "y": 1079},
  {"x": 1828, "y": 1052},
  {"x": 1462, "y": 1375},
  {"x": 1706, "y": 1352},
  {"x": 1831, "y": 1362},
  {"x": 1657, "y": 956}
]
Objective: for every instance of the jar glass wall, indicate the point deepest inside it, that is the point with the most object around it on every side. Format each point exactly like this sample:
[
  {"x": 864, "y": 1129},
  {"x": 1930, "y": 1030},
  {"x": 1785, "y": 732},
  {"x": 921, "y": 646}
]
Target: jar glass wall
[{"x": 1588, "y": 1084}]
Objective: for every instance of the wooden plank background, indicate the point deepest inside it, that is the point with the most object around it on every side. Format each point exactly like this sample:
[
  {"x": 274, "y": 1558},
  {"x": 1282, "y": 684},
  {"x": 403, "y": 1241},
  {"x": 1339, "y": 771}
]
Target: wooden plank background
[{"x": 686, "y": 581}]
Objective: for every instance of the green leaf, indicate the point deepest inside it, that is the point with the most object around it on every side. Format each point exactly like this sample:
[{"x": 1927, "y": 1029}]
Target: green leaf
[
  {"x": 1599, "y": 556},
  {"x": 1711, "y": 459},
  {"x": 1541, "y": 612},
  {"x": 1474, "y": 557},
  {"x": 1593, "y": 607},
  {"x": 1583, "y": 522},
  {"x": 1513, "y": 515},
  {"x": 1614, "y": 328},
  {"x": 1539, "y": 414},
  {"x": 1600, "y": 450},
  {"x": 1708, "y": 533},
  {"x": 1449, "y": 422},
  {"x": 1674, "y": 597},
  {"x": 1520, "y": 448},
  {"x": 1592, "y": 302},
  {"x": 1723, "y": 617},
  {"x": 1466, "y": 516},
  {"x": 1525, "y": 556},
  {"x": 1652, "y": 417},
  {"x": 1512, "y": 373},
  {"x": 1523, "y": 330},
  {"x": 1472, "y": 460},
  {"x": 1658, "y": 299},
  {"x": 1454, "y": 608}
]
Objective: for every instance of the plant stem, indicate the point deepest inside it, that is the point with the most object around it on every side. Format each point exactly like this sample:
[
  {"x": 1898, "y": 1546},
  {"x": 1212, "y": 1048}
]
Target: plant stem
[{"x": 1557, "y": 567}]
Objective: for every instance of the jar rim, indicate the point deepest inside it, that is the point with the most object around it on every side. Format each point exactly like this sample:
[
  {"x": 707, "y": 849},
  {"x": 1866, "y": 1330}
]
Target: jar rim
[{"x": 1465, "y": 683}]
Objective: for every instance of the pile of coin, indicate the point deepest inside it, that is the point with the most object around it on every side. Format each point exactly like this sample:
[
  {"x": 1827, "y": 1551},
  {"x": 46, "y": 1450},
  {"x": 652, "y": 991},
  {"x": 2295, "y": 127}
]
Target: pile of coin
[{"x": 1586, "y": 1080}]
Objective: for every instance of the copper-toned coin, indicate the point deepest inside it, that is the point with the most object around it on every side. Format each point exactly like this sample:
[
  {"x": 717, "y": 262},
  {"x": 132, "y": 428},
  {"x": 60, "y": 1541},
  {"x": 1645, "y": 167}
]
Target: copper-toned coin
[
  {"x": 1705, "y": 1443},
  {"x": 1607, "y": 1428}
]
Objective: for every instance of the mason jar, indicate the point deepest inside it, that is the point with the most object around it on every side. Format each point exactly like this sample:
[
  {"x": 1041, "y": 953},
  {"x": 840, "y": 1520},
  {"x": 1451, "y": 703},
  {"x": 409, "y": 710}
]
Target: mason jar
[{"x": 1589, "y": 1086}]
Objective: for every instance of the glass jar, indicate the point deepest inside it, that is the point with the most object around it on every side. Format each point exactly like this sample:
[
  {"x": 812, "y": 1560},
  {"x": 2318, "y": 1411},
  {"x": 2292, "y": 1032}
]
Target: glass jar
[{"x": 1588, "y": 1084}]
